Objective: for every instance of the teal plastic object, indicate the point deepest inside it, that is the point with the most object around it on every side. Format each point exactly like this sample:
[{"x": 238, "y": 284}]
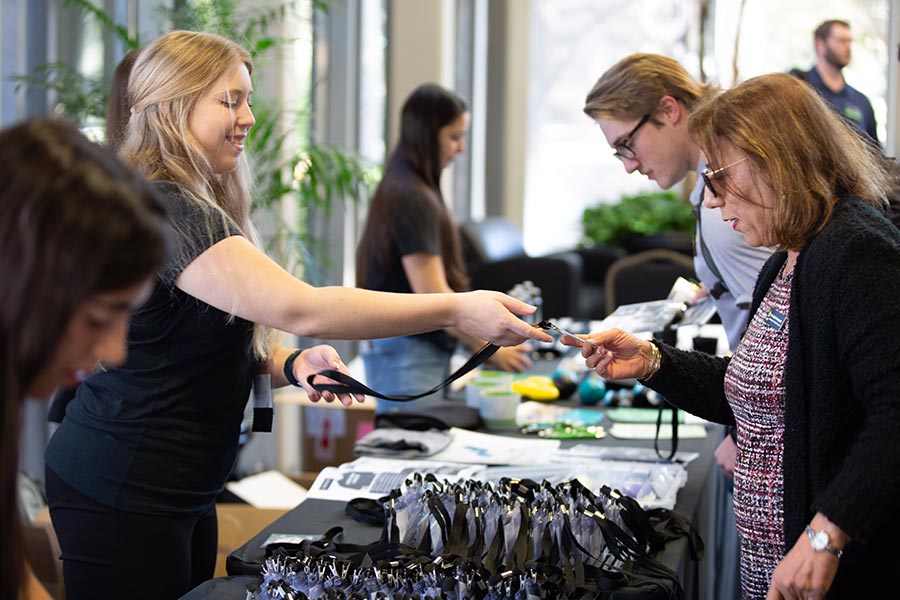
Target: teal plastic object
[{"x": 591, "y": 390}]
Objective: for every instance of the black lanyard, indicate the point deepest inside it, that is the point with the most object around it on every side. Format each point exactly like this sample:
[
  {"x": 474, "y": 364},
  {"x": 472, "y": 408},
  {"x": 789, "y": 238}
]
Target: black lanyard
[
  {"x": 659, "y": 416},
  {"x": 349, "y": 385}
]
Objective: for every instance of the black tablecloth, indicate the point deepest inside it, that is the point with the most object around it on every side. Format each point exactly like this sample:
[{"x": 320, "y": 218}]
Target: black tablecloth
[{"x": 317, "y": 516}]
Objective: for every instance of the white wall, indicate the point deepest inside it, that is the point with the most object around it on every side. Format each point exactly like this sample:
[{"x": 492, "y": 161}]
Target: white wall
[
  {"x": 507, "y": 103},
  {"x": 420, "y": 50}
]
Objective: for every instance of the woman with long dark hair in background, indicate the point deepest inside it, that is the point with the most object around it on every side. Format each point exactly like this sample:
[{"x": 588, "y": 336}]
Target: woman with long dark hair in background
[{"x": 411, "y": 244}]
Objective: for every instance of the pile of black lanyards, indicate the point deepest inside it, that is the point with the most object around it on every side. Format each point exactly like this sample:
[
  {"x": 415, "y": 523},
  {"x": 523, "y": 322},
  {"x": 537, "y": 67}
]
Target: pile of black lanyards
[{"x": 469, "y": 540}]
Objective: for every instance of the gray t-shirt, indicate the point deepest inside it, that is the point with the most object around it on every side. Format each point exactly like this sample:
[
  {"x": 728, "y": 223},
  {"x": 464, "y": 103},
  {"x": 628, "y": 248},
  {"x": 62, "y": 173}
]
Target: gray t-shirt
[{"x": 736, "y": 261}]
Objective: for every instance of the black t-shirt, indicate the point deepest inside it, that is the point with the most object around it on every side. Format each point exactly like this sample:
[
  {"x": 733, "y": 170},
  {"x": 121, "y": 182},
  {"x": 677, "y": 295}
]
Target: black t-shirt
[
  {"x": 413, "y": 229},
  {"x": 850, "y": 103},
  {"x": 160, "y": 433}
]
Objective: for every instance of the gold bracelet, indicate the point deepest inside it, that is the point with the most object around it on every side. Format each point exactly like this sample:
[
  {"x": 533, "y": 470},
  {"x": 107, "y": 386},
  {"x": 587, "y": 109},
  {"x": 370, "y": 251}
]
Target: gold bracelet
[{"x": 653, "y": 367}]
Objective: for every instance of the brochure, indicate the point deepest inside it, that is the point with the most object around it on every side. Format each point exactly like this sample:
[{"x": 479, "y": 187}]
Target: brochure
[
  {"x": 677, "y": 310},
  {"x": 369, "y": 477}
]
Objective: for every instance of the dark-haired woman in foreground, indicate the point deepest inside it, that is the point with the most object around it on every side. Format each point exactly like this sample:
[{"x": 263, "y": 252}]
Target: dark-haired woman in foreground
[{"x": 80, "y": 238}]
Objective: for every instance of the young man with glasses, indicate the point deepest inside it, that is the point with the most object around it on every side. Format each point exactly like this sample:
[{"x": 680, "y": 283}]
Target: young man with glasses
[{"x": 642, "y": 105}]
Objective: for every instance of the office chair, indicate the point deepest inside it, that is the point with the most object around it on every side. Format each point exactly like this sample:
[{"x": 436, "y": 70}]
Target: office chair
[
  {"x": 496, "y": 260},
  {"x": 645, "y": 276},
  {"x": 596, "y": 261}
]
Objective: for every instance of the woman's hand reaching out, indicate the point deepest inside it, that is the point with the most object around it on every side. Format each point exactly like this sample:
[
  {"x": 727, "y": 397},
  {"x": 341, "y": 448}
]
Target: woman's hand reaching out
[
  {"x": 616, "y": 354},
  {"x": 491, "y": 316},
  {"x": 314, "y": 360}
]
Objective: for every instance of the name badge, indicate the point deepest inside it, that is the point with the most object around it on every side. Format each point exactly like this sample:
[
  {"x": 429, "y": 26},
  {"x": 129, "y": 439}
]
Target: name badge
[{"x": 775, "y": 319}]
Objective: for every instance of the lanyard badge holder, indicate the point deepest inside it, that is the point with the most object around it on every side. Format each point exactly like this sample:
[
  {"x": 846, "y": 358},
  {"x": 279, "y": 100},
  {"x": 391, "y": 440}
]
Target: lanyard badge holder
[
  {"x": 530, "y": 541},
  {"x": 550, "y": 326},
  {"x": 263, "y": 406}
]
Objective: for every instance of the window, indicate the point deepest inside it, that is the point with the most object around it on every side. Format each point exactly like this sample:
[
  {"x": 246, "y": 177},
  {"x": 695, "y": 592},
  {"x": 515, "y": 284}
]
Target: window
[
  {"x": 572, "y": 42},
  {"x": 765, "y": 21}
]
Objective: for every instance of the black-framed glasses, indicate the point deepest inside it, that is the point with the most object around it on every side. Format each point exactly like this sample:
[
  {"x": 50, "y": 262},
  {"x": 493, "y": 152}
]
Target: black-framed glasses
[
  {"x": 622, "y": 150},
  {"x": 708, "y": 175}
]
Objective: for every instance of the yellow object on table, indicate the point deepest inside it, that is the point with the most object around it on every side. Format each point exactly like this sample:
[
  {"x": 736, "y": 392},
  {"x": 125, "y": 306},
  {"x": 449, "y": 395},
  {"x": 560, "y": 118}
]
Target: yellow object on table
[{"x": 536, "y": 387}]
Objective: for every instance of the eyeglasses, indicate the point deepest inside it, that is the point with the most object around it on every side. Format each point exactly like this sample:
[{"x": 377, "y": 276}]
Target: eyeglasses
[
  {"x": 708, "y": 175},
  {"x": 623, "y": 150}
]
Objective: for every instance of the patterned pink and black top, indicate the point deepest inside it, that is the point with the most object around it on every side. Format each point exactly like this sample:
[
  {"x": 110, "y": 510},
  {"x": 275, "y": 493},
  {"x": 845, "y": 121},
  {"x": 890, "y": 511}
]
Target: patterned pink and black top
[{"x": 754, "y": 387}]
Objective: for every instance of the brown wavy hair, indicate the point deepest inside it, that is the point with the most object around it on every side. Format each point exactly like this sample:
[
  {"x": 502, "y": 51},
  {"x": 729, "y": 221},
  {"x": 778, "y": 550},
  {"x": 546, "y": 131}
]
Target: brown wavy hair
[
  {"x": 795, "y": 144},
  {"x": 118, "y": 109},
  {"x": 74, "y": 222}
]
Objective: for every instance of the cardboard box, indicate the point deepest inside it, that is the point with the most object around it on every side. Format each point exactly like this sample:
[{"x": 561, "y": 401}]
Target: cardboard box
[
  {"x": 306, "y": 478},
  {"x": 330, "y": 430},
  {"x": 237, "y": 524},
  {"x": 42, "y": 552}
]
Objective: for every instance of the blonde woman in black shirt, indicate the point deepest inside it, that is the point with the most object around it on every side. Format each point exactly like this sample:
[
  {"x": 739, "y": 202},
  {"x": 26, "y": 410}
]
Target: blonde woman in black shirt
[{"x": 134, "y": 469}]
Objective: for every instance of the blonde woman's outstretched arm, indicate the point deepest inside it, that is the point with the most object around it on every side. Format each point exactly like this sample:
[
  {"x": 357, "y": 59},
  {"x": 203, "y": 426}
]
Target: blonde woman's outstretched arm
[
  {"x": 235, "y": 277},
  {"x": 426, "y": 275}
]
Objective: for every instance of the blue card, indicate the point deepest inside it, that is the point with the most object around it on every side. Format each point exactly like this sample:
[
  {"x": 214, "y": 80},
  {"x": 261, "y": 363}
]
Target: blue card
[{"x": 775, "y": 319}]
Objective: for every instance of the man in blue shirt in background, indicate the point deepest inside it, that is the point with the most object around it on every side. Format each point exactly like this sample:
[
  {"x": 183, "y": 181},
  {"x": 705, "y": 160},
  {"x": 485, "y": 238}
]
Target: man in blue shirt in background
[{"x": 833, "y": 40}]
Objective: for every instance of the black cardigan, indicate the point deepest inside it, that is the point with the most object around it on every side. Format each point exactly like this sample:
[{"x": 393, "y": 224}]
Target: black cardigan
[{"x": 842, "y": 382}]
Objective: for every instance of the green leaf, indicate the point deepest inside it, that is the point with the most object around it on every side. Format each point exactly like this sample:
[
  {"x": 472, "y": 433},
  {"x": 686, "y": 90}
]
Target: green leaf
[
  {"x": 646, "y": 213},
  {"x": 334, "y": 175},
  {"x": 106, "y": 22}
]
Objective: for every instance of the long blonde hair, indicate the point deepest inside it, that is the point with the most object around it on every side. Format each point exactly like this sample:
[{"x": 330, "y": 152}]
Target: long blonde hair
[{"x": 166, "y": 82}]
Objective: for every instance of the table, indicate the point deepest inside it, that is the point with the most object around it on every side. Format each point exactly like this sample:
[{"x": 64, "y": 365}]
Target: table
[
  {"x": 701, "y": 500},
  {"x": 317, "y": 516}
]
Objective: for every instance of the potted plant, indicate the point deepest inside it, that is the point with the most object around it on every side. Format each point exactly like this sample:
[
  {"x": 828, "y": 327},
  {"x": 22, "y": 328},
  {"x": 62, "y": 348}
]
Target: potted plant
[
  {"x": 314, "y": 176},
  {"x": 652, "y": 219}
]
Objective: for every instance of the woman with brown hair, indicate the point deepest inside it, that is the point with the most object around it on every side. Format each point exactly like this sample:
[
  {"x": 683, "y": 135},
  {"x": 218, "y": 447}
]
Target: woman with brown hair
[
  {"x": 80, "y": 238},
  {"x": 814, "y": 386},
  {"x": 118, "y": 109}
]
